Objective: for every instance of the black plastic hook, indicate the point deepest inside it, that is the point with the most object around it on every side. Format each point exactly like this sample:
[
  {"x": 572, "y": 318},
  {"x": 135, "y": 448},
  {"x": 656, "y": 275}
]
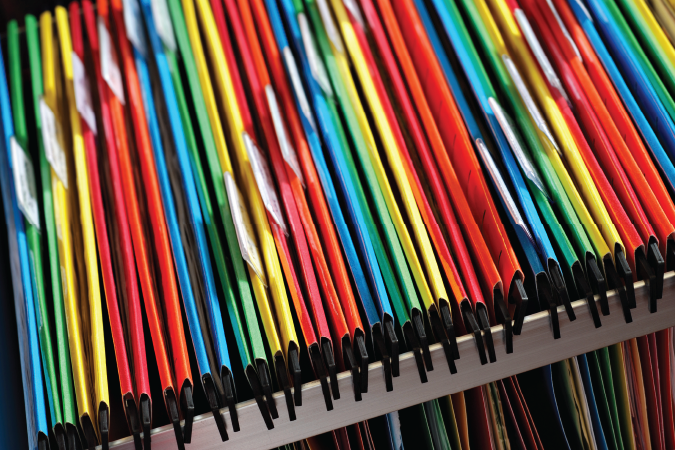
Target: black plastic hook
[
  {"x": 351, "y": 365},
  {"x": 72, "y": 437},
  {"x": 284, "y": 381},
  {"x": 548, "y": 301},
  {"x": 584, "y": 289},
  {"x": 598, "y": 286},
  {"x": 227, "y": 380},
  {"x": 60, "y": 436},
  {"x": 391, "y": 340},
  {"x": 378, "y": 338},
  {"x": 518, "y": 297},
  {"x": 614, "y": 276},
  {"x": 472, "y": 327},
  {"x": 89, "y": 432},
  {"x": 174, "y": 417},
  {"x": 361, "y": 354},
  {"x": 212, "y": 397},
  {"x": 320, "y": 372},
  {"x": 412, "y": 342},
  {"x": 558, "y": 284},
  {"x": 188, "y": 406},
  {"x": 420, "y": 331},
  {"x": 104, "y": 426},
  {"x": 256, "y": 385},
  {"x": 439, "y": 333},
  {"x": 329, "y": 360},
  {"x": 133, "y": 421}
]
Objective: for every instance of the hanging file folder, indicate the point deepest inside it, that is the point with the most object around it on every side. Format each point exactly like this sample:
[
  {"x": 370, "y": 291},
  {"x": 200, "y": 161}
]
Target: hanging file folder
[
  {"x": 101, "y": 228},
  {"x": 601, "y": 128},
  {"x": 387, "y": 212},
  {"x": 33, "y": 236},
  {"x": 641, "y": 120},
  {"x": 475, "y": 300},
  {"x": 296, "y": 112},
  {"x": 592, "y": 248},
  {"x": 383, "y": 333},
  {"x": 24, "y": 303},
  {"x": 475, "y": 189},
  {"x": 48, "y": 177},
  {"x": 94, "y": 417},
  {"x": 264, "y": 272},
  {"x": 214, "y": 142}
]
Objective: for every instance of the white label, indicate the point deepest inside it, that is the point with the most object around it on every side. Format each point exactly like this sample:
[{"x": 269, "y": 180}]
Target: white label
[
  {"x": 287, "y": 150},
  {"x": 242, "y": 225},
  {"x": 352, "y": 7},
  {"x": 315, "y": 62},
  {"x": 500, "y": 184},
  {"x": 299, "y": 89},
  {"x": 329, "y": 25},
  {"x": 83, "y": 93},
  {"x": 562, "y": 26},
  {"x": 538, "y": 52},
  {"x": 160, "y": 14},
  {"x": 529, "y": 101},
  {"x": 509, "y": 129},
  {"x": 52, "y": 138},
  {"x": 133, "y": 25},
  {"x": 263, "y": 179},
  {"x": 110, "y": 70},
  {"x": 24, "y": 183}
]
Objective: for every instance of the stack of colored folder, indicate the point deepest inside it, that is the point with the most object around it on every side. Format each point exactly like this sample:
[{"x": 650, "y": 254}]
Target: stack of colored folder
[{"x": 209, "y": 201}]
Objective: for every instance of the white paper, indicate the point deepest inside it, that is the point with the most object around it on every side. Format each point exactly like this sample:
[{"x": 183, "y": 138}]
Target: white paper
[
  {"x": 538, "y": 52},
  {"x": 329, "y": 25},
  {"x": 352, "y": 7},
  {"x": 242, "y": 225},
  {"x": 263, "y": 178},
  {"x": 287, "y": 150},
  {"x": 110, "y": 70},
  {"x": 52, "y": 138},
  {"x": 315, "y": 62},
  {"x": 83, "y": 93},
  {"x": 564, "y": 29},
  {"x": 134, "y": 25},
  {"x": 299, "y": 89},
  {"x": 24, "y": 183},
  {"x": 511, "y": 206},
  {"x": 518, "y": 147},
  {"x": 162, "y": 19},
  {"x": 529, "y": 101}
]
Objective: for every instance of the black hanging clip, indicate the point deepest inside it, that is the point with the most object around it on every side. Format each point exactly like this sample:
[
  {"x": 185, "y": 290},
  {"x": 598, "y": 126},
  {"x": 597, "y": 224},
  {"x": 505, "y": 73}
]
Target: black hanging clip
[
  {"x": 378, "y": 339},
  {"x": 320, "y": 372},
  {"x": 439, "y": 330},
  {"x": 174, "y": 417},
  {"x": 413, "y": 343},
  {"x": 361, "y": 354},
  {"x": 614, "y": 276},
  {"x": 227, "y": 380},
  {"x": 472, "y": 327},
  {"x": 518, "y": 297},
  {"x": 547, "y": 301},
  {"x": 502, "y": 316},
  {"x": 558, "y": 285},
  {"x": 284, "y": 381},
  {"x": 351, "y": 365},
  {"x": 214, "y": 405},
  {"x": 188, "y": 406},
  {"x": 329, "y": 360},
  {"x": 133, "y": 421},
  {"x": 254, "y": 379},
  {"x": 60, "y": 436},
  {"x": 598, "y": 286}
]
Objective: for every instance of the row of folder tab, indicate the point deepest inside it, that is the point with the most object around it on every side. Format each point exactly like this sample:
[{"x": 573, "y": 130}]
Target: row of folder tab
[{"x": 209, "y": 201}]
